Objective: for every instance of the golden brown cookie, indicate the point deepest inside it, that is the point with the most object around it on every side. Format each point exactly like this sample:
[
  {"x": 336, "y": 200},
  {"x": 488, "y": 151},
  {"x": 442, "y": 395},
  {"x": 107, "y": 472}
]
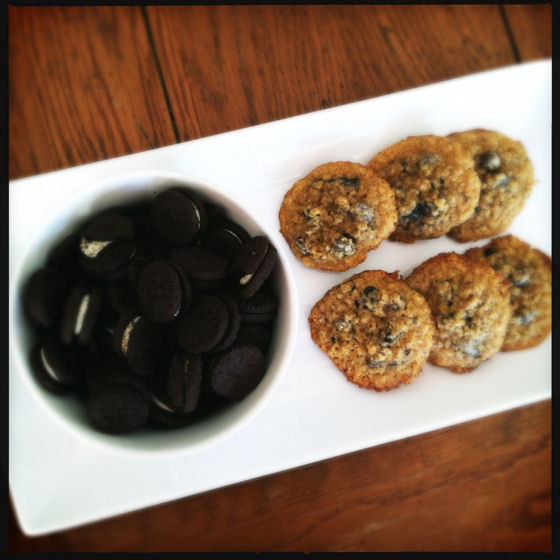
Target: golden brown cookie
[
  {"x": 435, "y": 185},
  {"x": 506, "y": 176},
  {"x": 336, "y": 214},
  {"x": 530, "y": 272},
  {"x": 470, "y": 306},
  {"x": 375, "y": 328}
]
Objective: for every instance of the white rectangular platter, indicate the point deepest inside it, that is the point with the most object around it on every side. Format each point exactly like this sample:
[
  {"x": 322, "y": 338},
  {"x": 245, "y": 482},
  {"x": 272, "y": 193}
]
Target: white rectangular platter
[{"x": 57, "y": 482}]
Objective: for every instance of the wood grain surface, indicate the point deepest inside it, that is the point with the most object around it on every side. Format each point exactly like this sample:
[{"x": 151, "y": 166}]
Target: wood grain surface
[{"x": 88, "y": 83}]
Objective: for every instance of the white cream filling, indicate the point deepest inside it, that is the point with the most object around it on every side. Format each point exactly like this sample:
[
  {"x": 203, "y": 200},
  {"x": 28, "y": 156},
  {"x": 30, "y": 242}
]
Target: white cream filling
[
  {"x": 196, "y": 211},
  {"x": 161, "y": 404},
  {"x": 81, "y": 314},
  {"x": 126, "y": 334},
  {"x": 244, "y": 279},
  {"x": 92, "y": 248},
  {"x": 47, "y": 366}
]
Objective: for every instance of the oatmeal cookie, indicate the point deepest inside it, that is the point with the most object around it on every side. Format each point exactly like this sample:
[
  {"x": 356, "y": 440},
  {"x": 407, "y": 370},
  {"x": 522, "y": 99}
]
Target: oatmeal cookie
[
  {"x": 470, "y": 306},
  {"x": 506, "y": 176},
  {"x": 435, "y": 185},
  {"x": 375, "y": 328},
  {"x": 530, "y": 272},
  {"x": 336, "y": 214}
]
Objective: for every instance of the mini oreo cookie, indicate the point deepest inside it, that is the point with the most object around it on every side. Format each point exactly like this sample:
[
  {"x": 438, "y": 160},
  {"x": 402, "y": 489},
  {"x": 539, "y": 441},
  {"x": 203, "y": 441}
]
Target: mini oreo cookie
[
  {"x": 200, "y": 263},
  {"x": 249, "y": 259},
  {"x": 204, "y": 325},
  {"x": 254, "y": 333},
  {"x": 261, "y": 275},
  {"x": 80, "y": 315},
  {"x": 226, "y": 239},
  {"x": 233, "y": 324},
  {"x": 118, "y": 407},
  {"x": 162, "y": 413},
  {"x": 138, "y": 340},
  {"x": 106, "y": 243},
  {"x": 236, "y": 372},
  {"x": 184, "y": 378},
  {"x": 44, "y": 297},
  {"x": 160, "y": 293},
  {"x": 55, "y": 365},
  {"x": 253, "y": 265},
  {"x": 259, "y": 308},
  {"x": 178, "y": 216}
]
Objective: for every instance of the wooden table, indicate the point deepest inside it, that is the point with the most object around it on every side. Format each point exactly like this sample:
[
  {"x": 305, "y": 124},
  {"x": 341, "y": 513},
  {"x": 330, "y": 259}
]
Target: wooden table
[{"x": 90, "y": 83}]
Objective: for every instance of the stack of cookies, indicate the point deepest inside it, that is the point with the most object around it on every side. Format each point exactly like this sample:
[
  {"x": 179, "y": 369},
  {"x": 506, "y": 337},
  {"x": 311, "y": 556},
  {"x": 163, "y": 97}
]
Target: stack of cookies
[{"x": 455, "y": 311}]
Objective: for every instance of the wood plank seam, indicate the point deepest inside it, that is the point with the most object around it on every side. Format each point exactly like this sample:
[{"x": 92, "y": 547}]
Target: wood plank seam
[
  {"x": 160, "y": 72},
  {"x": 509, "y": 33}
]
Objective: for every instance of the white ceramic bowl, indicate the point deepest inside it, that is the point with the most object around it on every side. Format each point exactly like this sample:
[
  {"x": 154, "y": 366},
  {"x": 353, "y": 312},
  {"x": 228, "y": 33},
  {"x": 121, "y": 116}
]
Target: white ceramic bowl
[{"x": 69, "y": 411}]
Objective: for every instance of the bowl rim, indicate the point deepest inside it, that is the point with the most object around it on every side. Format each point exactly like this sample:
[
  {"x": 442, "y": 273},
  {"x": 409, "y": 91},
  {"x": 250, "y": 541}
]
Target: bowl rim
[{"x": 111, "y": 185}]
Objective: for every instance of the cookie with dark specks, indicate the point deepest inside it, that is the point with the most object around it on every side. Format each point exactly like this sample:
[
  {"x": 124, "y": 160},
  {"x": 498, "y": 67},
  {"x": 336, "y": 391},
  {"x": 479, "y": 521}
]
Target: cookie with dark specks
[
  {"x": 506, "y": 176},
  {"x": 470, "y": 306},
  {"x": 530, "y": 272},
  {"x": 335, "y": 215},
  {"x": 435, "y": 185},
  {"x": 375, "y": 328}
]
